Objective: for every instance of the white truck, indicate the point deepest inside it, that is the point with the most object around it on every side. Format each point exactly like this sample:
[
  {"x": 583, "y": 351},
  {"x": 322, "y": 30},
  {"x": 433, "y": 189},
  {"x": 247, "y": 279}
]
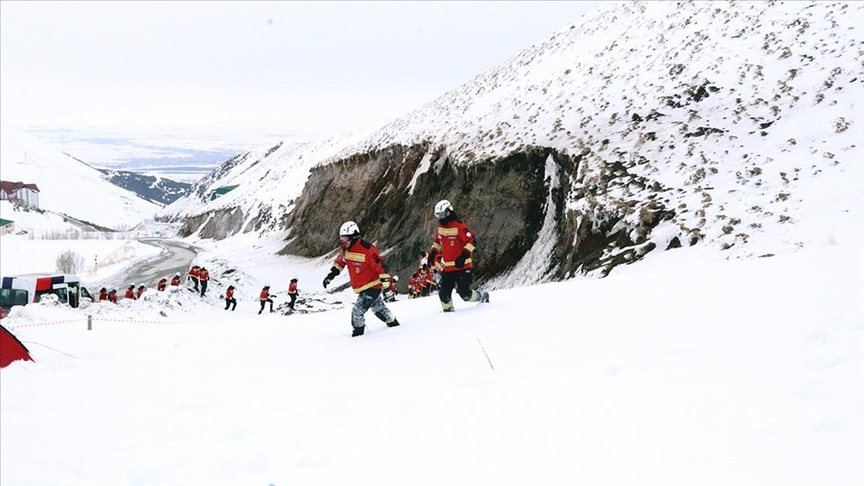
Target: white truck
[{"x": 27, "y": 289}]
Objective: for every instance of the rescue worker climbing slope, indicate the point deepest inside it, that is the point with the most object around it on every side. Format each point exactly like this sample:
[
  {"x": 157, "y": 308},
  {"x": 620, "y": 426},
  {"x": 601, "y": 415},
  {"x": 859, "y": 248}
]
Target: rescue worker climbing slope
[
  {"x": 368, "y": 275},
  {"x": 454, "y": 241}
]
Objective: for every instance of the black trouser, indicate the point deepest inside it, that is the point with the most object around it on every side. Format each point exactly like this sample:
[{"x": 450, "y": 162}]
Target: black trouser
[
  {"x": 195, "y": 282},
  {"x": 263, "y": 302},
  {"x": 293, "y": 299},
  {"x": 203, "y": 287},
  {"x": 461, "y": 280},
  {"x": 230, "y": 302}
]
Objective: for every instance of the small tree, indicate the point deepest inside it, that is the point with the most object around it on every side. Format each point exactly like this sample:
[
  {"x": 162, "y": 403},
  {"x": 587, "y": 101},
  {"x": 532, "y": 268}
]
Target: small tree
[{"x": 70, "y": 262}]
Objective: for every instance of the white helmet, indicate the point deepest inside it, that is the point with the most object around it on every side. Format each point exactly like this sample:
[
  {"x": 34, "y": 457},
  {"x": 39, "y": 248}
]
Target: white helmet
[
  {"x": 395, "y": 278},
  {"x": 349, "y": 228},
  {"x": 442, "y": 207}
]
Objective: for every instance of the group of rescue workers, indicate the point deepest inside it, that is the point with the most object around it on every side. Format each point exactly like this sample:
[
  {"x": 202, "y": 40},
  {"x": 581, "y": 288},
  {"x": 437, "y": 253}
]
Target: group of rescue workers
[
  {"x": 445, "y": 267},
  {"x": 450, "y": 258},
  {"x": 135, "y": 294}
]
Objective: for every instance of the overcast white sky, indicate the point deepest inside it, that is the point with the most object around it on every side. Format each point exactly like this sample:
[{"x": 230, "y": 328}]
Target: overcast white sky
[{"x": 212, "y": 65}]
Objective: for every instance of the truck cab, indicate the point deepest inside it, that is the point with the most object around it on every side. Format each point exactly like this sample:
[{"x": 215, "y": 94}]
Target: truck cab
[{"x": 26, "y": 289}]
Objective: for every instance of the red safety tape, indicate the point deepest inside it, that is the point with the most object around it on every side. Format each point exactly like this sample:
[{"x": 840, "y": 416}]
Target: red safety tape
[
  {"x": 35, "y": 324},
  {"x": 101, "y": 319}
]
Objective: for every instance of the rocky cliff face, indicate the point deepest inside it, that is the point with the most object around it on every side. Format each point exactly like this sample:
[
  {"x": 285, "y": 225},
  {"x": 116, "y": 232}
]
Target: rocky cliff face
[{"x": 507, "y": 202}]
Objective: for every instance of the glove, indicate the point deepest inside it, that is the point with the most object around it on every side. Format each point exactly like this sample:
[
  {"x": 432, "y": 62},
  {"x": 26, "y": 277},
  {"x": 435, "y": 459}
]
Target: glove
[
  {"x": 460, "y": 260},
  {"x": 385, "y": 282},
  {"x": 327, "y": 281}
]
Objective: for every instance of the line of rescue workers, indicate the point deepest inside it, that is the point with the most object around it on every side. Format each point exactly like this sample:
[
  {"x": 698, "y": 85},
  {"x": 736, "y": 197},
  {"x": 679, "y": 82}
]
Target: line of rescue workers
[{"x": 447, "y": 266}]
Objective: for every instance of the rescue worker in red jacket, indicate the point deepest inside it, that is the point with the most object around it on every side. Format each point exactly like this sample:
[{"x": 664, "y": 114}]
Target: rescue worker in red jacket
[
  {"x": 162, "y": 284},
  {"x": 229, "y": 298},
  {"x": 112, "y": 296},
  {"x": 103, "y": 294},
  {"x": 411, "y": 282},
  {"x": 141, "y": 289},
  {"x": 193, "y": 276},
  {"x": 203, "y": 278},
  {"x": 130, "y": 292},
  {"x": 264, "y": 298},
  {"x": 454, "y": 241},
  {"x": 368, "y": 276},
  {"x": 292, "y": 292},
  {"x": 175, "y": 282}
]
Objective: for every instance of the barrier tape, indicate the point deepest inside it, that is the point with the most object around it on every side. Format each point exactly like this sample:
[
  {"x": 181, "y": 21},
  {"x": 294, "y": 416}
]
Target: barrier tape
[
  {"x": 36, "y": 324},
  {"x": 95, "y": 319}
]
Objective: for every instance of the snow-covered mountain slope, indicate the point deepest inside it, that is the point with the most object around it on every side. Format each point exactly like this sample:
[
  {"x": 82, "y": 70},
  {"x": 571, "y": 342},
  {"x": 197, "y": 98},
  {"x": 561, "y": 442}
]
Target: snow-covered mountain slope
[
  {"x": 265, "y": 183},
  {"x": 649, "y": 125},
  {"x": 68, "y": 186},
  {"x": 725, "y": 110}
]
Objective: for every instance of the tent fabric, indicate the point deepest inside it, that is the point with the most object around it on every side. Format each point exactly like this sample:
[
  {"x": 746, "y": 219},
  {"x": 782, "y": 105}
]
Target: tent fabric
[{"x": 11, "y": 349}]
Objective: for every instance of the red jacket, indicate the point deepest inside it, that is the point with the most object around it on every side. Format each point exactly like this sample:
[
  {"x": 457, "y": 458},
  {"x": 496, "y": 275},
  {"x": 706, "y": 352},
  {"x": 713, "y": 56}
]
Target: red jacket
[
  {"x": 292, "y": 288},
  {"x": 450, "y": 239},
  {"x": 103, "y": 294},
  {"x": 365, "y": 266},
  {"x": 112, "y": 297},
  {"x": 203, "y": 275},
  {"x": 175, "y": 281},
  {"x": 161, "y": 285},
  {"x": 130, "y": 293},
  {"x": 265, "y": 294},
  {"x": 229, "y": 293}
]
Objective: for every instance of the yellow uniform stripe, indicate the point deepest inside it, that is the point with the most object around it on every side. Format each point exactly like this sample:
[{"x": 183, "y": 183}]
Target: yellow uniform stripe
[
  {"x": 367, "y": 286},
  {"x": 355, "y": 257}
]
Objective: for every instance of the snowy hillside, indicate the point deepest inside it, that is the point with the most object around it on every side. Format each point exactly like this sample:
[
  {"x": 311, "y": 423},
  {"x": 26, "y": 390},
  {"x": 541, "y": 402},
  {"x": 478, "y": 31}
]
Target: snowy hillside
[
  {"x": 68, "y": 186},
  {"x": 713, "y": 123},
  {"x": 726, "y": 112},
  {"x": 267, "y": 180}
]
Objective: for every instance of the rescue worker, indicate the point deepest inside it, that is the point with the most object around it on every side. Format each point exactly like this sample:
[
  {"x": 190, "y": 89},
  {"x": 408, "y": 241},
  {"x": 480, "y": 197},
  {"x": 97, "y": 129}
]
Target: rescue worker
[
  {"x": 175, "y": 282},
  {"x": 162, "y": 284},
  {"x": 454, "y": 241},
  {"x": 141, "y": 289},
  {"x": 412, "y": 286},
  {"x": 430, "y": 285},
  {"x": 203, "y": 277},
  {"x": 130, "y": 292},
  {"x": 112, "y": 296},
  {"x": 193, "y": 276},
  {"x": 368, "y": 274},
  {"x": 229, "y": 298},
  {"x": 264, "y": 298},
  {"x": 389, "y": 293},
  {"x": 292, "y": 292},
  {"x": 103, "y": 294}
]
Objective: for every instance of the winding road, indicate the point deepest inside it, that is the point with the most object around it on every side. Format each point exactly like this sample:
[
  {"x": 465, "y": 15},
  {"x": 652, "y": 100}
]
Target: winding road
[{"x": 176, "y": 257}]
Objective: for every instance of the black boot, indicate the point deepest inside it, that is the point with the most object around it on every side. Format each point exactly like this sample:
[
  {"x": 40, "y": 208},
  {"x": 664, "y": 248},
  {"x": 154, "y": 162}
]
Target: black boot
[
  {"x": 393, "y": 323},
  {"x": 358, "y": 331}
]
